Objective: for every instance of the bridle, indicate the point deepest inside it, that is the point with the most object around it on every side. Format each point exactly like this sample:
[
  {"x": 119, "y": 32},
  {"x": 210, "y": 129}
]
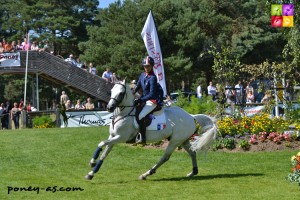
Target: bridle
[{"x": 119, "y": 98}]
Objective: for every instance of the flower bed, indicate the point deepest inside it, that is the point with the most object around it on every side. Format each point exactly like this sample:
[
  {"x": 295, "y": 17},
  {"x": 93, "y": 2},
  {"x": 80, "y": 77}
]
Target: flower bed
[
  {"x": 255, "y": 133},
  {"x": 295, "y": 175}
]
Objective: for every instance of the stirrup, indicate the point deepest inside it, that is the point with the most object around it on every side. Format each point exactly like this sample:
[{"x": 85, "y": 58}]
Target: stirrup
[{"x": 139, "y": 139}]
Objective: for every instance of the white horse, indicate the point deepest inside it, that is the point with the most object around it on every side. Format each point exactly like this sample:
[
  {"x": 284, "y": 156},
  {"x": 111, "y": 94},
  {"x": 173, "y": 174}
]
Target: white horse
[{"x": 180, "y": 126}]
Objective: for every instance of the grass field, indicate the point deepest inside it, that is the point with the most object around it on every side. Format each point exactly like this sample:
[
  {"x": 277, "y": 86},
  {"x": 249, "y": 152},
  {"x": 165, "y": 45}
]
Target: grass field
[{"x": 55, "y": 158}]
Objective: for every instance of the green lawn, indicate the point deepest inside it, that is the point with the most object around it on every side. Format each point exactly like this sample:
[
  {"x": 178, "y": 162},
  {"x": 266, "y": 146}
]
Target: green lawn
[{"x": 59, "y": 157}]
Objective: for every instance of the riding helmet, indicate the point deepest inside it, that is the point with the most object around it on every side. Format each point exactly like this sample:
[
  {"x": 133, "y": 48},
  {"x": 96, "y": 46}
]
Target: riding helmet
[{"x": 148, "y": 61}]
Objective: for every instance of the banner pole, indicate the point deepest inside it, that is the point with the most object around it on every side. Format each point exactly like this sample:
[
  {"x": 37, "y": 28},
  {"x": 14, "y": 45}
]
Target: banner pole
[{"x": 26, "y": 70}]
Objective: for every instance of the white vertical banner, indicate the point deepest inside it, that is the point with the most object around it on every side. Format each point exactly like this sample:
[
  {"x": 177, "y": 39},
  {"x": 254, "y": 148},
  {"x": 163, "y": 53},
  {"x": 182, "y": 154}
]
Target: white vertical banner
[{"x": 150, "y": 37}]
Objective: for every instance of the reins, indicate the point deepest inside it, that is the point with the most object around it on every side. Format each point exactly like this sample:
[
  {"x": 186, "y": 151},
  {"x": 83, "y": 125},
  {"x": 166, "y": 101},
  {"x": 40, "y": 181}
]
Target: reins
[{"x": 119, "y": 99}]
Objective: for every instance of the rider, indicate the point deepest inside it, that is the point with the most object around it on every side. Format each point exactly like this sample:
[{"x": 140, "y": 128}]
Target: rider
[{"x": 152, "y": 95}]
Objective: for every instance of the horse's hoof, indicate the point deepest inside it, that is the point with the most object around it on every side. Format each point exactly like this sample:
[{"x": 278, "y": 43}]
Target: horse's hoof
[
  {"x": 142, "y": 177},
  {"x": 92, "y": 164},
  {"x": 190, "y": 174},
  {"x": 89, "y": 177}
]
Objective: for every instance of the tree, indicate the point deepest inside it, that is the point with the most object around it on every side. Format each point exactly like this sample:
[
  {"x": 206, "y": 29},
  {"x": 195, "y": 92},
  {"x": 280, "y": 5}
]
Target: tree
[{"x": 63, "y": 23}]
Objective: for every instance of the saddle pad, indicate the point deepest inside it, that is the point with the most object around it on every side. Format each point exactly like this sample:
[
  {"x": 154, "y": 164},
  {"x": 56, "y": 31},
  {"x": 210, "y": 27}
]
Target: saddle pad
[{"x": 158, "y": 122}]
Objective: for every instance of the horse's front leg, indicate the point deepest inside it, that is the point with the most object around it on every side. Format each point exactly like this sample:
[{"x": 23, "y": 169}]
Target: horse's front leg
[
  {"x": 96, "y": 165},
  {"x": 99, "y": 149}
]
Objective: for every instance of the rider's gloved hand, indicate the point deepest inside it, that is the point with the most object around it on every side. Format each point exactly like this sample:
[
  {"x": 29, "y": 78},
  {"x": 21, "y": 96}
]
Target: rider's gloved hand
[{"x": 137, "y": 101}]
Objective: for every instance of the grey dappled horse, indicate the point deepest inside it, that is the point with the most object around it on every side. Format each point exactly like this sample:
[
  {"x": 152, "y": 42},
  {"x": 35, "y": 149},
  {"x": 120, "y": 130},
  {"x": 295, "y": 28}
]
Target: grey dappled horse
[{"x": 180, "y": 126}]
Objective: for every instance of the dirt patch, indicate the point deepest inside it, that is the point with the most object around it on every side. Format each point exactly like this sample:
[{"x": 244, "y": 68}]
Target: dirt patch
[{"x": 259, "y": 146}]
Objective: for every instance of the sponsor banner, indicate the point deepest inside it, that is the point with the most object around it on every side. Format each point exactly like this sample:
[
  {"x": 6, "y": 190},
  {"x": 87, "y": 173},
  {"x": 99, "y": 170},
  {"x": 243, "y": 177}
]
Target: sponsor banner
[
  {"x": 10, "y": 59},
  {"x": 87, "y": 118},
  {"x": 249, "y": 111}
]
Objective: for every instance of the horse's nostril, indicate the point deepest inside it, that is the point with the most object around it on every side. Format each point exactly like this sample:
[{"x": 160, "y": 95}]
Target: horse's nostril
[{"x": 110, "y": 108}]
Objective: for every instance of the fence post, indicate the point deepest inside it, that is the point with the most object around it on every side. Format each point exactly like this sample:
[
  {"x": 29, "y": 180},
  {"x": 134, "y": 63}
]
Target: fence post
[
  {"x": 57, "y": 118},
  {"x": 24, "y": 118}
]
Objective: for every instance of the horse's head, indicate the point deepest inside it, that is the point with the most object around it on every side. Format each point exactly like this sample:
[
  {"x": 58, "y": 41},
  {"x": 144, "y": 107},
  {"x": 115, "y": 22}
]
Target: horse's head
[{"x": 118, "y": 92}]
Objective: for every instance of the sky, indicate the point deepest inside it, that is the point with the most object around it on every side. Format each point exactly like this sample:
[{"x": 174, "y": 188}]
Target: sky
[{"x": 105, "y": 3}]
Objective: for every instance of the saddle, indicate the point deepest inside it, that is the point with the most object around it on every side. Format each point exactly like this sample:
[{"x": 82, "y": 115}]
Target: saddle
[{"x": 155, "y": 120}]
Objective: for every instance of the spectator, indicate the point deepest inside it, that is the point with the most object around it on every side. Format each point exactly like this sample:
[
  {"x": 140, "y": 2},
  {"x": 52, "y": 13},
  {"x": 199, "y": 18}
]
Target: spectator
[
  {"x": 69, "y": 105},
  {"x": 250, "y": 97},
  {"x": 107, "y": 75},
  {"x": 84, "y": 66},
  {"x": 79, "y": 106},
  {"x": 46, "y": 47},
  {"x": 239, "y": 92},
  {"x": 288, "y": 91},
  {"x": 19, "y": 45},
  {"x": 2, "y": 115},
  {"x": 211, "y": 90},
  {"x": 261, "y": 93},
  {"x": 28, "y": 108},
  {"x": 40, "y": 45},
  {"x": 13, "y": 46},
  {"x": 4, "y": 42},
  {"x": 249, "y": 87},
  {"x": 92, "y": 69},
  {"x": 71, "y": 60},
  {"x": 63, "y": 98},
  {"x": 1, "y": 48},
  {"x": 267, "y": 97},
  {"x": 89, "y": 105},
  {"x": 7, "y": 47},
  {"x": 10, "y": 47},
  {"x": 199, "y": 91},
  {"x": 79, "y": 63},
  {"x": 21, "y": 104},
  {"x": 26, "y": 45},
  {"x": 8, "y": 108},
  {"x": 34, "y": 46},
  {"x": 229, "y": 92},
  {"x": 15, "y": 115},
  {"x": 114, "y": 78}
]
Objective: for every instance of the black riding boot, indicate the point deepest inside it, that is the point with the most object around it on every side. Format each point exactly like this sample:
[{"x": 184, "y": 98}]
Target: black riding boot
[{"x": 141, "y": 137}]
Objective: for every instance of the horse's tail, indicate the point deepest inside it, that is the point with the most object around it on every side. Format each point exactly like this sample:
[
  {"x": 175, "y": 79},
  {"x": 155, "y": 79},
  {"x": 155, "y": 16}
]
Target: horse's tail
[{"x": 205, "y": 140}]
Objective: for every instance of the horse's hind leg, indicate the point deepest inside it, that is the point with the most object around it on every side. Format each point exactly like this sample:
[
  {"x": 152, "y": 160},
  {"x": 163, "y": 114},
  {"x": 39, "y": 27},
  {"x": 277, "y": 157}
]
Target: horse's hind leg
[
  {"x": 187, "y": 146},
  {"x": 168, "y": 152}
]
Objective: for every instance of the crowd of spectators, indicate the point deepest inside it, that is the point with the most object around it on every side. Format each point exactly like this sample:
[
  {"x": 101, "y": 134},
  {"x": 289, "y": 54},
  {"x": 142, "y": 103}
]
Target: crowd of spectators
[
  {"x": 85, "y": 105},
  {"x": 39, "y": 45},
  {"x": 240, "y": 93},
  {"x": 13, "y": 46},
  {"x": 10, "y": 112}
]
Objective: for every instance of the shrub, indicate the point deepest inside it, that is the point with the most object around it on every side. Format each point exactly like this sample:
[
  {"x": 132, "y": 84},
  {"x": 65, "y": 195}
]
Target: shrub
[
  {"x": 228, "y": 143},
  {"x": 195, "y": 106},
  {"x": 42, "y": 122},
  {"x": 244, "y": 144}
]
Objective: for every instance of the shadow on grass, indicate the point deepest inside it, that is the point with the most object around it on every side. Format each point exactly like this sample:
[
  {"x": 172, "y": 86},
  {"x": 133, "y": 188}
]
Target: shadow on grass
[{"x": 208, "y": 177}]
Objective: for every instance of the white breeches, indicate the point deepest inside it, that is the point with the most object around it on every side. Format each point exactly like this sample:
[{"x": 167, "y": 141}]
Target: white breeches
[{"x": 147, "y": 109}]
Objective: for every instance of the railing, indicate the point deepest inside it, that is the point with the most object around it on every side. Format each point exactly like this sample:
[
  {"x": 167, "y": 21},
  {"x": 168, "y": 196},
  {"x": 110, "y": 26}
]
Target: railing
[{"x": 57, "y": 70}]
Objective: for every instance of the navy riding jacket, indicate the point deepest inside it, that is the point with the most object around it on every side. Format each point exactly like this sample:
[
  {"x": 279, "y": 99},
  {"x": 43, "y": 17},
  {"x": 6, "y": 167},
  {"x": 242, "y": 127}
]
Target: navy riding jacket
[{"x": 148, "y": 83}]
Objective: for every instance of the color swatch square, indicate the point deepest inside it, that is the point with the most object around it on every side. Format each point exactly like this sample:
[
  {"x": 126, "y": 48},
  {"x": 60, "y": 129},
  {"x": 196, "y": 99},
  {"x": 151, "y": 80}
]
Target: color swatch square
[
  {"x": 287, "y": 9},
  {"x": 276, "y": 9},
  {"x": 287, "y": 21},
  {"x": 276, "y": 21}
]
